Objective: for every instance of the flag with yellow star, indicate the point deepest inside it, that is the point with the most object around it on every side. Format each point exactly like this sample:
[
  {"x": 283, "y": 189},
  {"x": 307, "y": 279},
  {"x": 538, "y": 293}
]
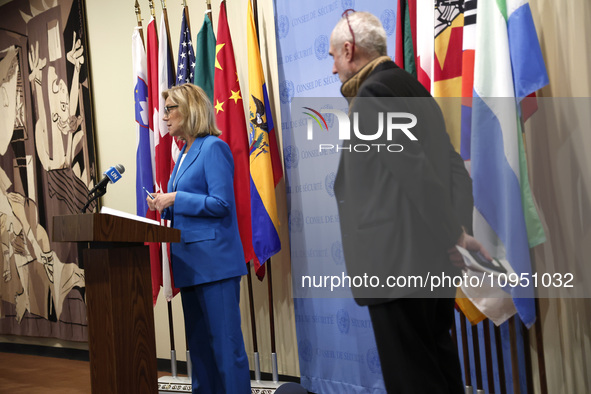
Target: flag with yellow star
[
  {"x": 229, "y": 113},
  {"x": 265, "y": 165}
]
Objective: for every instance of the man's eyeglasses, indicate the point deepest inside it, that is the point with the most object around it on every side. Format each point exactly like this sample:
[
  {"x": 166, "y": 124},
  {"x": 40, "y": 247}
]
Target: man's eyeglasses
[
  {"x": 346, "y": 15},
  {"x": 168, "y": 108}
]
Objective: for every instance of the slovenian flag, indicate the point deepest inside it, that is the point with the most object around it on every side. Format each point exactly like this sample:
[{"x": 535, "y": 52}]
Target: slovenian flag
[{"x": 145, "y": 140}]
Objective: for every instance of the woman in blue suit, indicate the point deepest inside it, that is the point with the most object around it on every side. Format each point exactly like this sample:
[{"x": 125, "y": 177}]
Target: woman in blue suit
[{"x": 208, "y": 262}]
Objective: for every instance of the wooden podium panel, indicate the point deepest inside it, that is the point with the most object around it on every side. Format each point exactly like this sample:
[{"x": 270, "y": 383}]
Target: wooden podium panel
[
  {"x": 98, "y": 227},
  {"x": 121, "y": 336}
]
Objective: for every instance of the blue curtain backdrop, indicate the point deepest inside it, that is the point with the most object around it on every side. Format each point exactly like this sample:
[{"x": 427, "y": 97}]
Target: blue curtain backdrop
[{"x": 336, "y": 345}]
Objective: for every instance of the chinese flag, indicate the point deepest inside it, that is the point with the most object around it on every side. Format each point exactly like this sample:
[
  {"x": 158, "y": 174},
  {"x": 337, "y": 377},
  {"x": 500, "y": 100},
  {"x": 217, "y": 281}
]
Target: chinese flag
[{"x": 230, "y": 119}]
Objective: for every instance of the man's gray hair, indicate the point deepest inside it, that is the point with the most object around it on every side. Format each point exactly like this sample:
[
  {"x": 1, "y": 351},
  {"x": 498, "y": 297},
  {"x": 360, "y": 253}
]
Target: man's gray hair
[{"x": 369, "y": 33}]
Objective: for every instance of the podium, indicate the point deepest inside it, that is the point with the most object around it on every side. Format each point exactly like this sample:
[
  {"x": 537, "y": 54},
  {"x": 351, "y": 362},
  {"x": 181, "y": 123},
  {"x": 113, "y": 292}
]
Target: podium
[{"x": 121, "y": 336}]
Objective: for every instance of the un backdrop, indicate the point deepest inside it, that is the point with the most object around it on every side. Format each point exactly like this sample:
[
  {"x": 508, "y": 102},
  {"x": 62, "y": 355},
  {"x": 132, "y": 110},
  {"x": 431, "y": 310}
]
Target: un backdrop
[{"x": 336, "y": 344}]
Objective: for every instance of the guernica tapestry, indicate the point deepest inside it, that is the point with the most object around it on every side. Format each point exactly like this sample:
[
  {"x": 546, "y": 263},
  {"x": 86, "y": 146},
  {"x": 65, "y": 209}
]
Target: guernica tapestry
[{"x": 47, "y": 159}]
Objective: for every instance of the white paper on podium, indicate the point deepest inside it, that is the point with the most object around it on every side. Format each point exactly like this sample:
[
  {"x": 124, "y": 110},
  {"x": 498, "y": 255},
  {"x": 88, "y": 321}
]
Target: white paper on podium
[{"x": 114, "y": 212}]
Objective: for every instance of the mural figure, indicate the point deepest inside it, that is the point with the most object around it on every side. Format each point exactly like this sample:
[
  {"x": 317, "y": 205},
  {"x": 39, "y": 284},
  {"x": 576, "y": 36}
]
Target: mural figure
[
  {"x": 63, "y": 104},
  {"x": 24, "y": 244},
  {"x": 47, "y": 165}
]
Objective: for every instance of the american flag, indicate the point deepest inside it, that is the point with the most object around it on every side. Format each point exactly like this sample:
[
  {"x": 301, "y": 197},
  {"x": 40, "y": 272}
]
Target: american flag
[{"x": 186, "y": 62}]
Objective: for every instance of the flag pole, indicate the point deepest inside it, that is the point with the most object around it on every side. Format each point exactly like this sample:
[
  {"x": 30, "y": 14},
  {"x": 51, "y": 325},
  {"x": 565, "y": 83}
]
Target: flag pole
[
  {"x": 500, "y": 361},
  {"x": 255, "y": 11},
  {"x": 268, "y": 263},
  {"x": 186, "y": 8},
  {"x": 173, "y": 363},
  {"x": 538, "y": 331},
  {"x": 208, "y": 12},
  {"x": 465, "y": 352},
  {"x": 272, "y": 322},
  {"x": 488, "y": 356},
  {"x": 477, "y": 367},
  {"x": 153, "y": 13},
  {"x": 253, "y": 327},
  {"x": 138, "y": 15},
  {"x": 165, "y": 13},
  {"x": 514, "y": 356}
]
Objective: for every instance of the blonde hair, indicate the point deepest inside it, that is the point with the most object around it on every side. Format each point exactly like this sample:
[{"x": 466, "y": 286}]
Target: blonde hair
[{"x": 197, "y": 116}]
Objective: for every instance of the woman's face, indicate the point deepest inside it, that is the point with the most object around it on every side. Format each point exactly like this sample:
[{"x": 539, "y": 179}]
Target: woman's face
[{"x": 172, "y": 118}]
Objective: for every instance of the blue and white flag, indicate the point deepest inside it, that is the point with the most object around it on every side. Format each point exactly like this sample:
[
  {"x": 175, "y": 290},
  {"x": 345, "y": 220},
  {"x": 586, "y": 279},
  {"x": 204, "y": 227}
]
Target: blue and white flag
[
  {"x": 145, "y": 139},
  {"x": 506, "y": 69}
]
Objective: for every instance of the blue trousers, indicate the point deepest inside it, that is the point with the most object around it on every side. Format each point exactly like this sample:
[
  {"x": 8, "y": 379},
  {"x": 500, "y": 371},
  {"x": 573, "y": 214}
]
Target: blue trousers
[{"x": 212, "y": 324}]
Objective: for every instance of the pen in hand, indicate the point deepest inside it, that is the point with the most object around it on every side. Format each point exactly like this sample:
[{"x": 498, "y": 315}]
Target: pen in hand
[{"x": 148, "y": 193}]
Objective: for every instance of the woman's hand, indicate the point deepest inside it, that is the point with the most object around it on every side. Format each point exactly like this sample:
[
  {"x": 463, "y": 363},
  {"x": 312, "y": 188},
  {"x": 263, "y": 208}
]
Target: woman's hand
[{"x": 161, "y": 201}]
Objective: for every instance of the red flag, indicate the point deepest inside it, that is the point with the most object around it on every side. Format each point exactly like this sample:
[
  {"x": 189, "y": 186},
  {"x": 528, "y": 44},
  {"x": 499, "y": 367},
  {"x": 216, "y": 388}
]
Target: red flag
[
  {"x": 163, "y": 149},
  {"x": 230, "y": 119},
  {"x": 399, "y": 48},
  {"x": 153, "y": 104}
]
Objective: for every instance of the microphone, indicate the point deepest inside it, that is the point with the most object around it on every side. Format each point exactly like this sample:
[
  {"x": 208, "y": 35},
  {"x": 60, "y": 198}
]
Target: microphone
[{"x": 112, "y": 175}]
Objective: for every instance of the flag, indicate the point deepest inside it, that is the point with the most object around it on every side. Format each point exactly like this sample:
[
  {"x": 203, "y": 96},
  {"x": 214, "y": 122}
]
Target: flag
[
  {"x": 504, "y": 29},
  {"x": 265, "y": 167},
  {"x": 164, "y": 146},
  {"x": 145, "y": 140},
  {"x": 468, "y": 47},
  {"x": 153, "y": 105},
  {"x": 205, "y": 56},
  {"x": 527, "y": 61},
  {"x": 448, "y": 35},
  {"x": 229, "y": 114},
  {"x": 447, "y": 64},
  {"x": 529, "y": 75},
  {"x": 425, "y": 43},
  {"x": 163, "y": 140},
  {"x": 186, "y": 61},
  {"x": 185, "y": 73},
  {"x": 406, "y": 36},
  {"x": 471, "y": 312}
]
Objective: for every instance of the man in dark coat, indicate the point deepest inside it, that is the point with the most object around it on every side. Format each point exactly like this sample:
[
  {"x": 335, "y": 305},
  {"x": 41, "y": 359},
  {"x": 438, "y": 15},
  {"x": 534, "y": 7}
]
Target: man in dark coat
[{"x": 405, "y": 201}]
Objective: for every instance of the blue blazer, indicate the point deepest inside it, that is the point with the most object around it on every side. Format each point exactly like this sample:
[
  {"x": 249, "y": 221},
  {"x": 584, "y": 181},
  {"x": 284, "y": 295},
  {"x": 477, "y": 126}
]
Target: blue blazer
[{"x": 205, "y": 212}]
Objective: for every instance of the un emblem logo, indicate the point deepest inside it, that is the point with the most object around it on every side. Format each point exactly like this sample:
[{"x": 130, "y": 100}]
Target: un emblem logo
[
  {"x": 321, "y": 47},
  {"x": 329, "y": 183},
  {"x": 388, "y": 19},
  {"x": 282, "y": 25},
  {"x": 296, "y": 221},
  {"x": 328, "y": 117},
  {"x": 343, "y": 321},
  {"x": 336, "y": 251},
  {"x": 286, "y": 90},
  {"x": 348, "y": 4},
  {"x": 373, "y": 360},
  {"x": 305, "y": 350},
  {"x": 291, "y": 155}
]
